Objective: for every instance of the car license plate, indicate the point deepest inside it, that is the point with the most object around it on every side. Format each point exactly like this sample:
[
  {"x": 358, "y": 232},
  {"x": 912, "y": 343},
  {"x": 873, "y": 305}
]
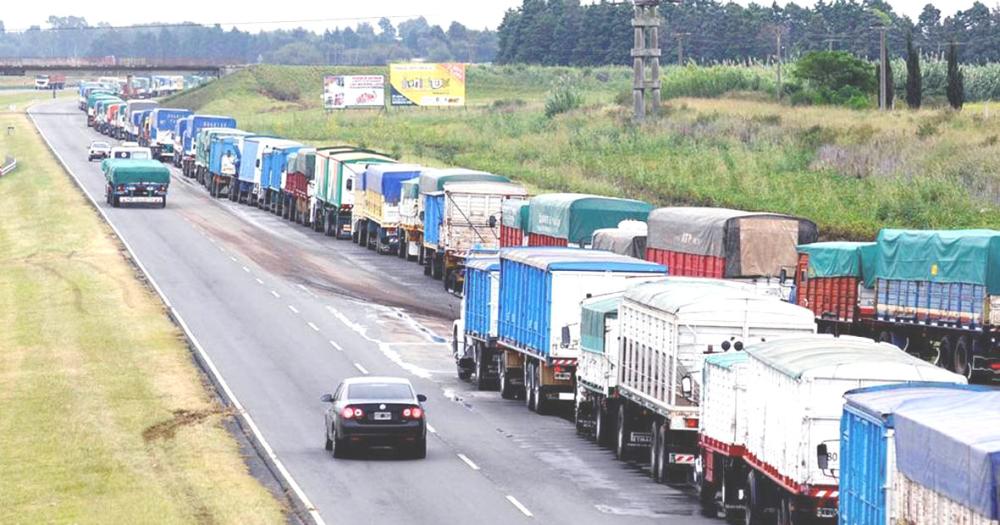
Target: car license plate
[
  {"x": 383, "y": 416},
  {"x": 140, "y": 200},
  {"x": 642, "y": 437}
]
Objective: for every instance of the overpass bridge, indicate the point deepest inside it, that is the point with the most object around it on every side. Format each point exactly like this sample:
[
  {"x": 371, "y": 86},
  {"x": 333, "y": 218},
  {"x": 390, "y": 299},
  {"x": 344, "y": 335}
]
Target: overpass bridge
[{"x": 115, "y": 66}]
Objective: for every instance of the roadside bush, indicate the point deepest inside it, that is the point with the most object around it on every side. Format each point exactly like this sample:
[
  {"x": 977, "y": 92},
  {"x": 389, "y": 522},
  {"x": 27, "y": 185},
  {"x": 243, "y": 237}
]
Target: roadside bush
[
  {"x": 562, "y": 99},
  {"x": 835, "y": 70}
]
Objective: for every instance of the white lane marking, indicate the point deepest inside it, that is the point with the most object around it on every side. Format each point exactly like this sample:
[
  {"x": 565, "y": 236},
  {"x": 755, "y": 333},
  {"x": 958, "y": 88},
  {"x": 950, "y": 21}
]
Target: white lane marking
[
  {"x": 306, "y": 290},
  {"x": 233, "y": 258},
  {"x": 275, "y": 294},
  {"x": 465, "y": 459},
  {"x": 431, "y": 429},
  {"x": 313, "y": 326},
  {"x": 383, "y": 346},
  {"x": 360, "y": 368},
  {"x": 229, "y": 394},
  {"x": 335, "y": 345},
  {"x": 524, "y": 510},
  {"x": 293, "y": 309},
  {"x": 259, "y": 281},
  {"x": 245, "y": 269}
]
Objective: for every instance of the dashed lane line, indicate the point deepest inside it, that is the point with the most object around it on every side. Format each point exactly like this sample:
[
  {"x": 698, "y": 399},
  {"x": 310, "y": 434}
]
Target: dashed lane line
[
  {"x": 465, "y": 459},
  {"x": 275, "y": 294},
  {"x": 293, "y": 309},
  {"x": 361, "y": 368},
  {"x": 524, "y": 510},
  {"x": 313, "y": 326},
  {"x": 335, "y": 345}
]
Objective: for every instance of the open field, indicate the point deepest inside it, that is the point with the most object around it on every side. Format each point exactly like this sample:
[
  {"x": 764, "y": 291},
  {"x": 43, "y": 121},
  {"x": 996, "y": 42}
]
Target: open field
[
  {"x": 852, "y": 172},
  {"x": 105, "y": 417}
]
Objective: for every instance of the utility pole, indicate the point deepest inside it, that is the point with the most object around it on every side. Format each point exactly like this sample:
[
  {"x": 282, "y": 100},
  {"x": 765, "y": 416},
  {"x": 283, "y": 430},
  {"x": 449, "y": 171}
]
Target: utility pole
[
  {"x": 777, "y": 35},
  {"x": 646, "y": 52},
  {"x": 883, "y": 93},
  {"x": 680, "y": 47}
]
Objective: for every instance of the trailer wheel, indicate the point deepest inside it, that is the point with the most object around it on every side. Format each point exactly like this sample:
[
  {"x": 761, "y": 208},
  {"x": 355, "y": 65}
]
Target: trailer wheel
[
  {"x": 529, "y": 386},
  {"x": 621, "y": 443},
  {"x": 506, "y": 389},
  {"x": 542, "y": 405},
  {"x": 600, "y": 422},
  {"x": 961, "y": 362},
  {"x": 663, "y": 469},
  {"x": 945, "y": 353},
  {"x": 655, "y": 453},
  {"x": 482, "y": 368},
  {"x": 753, "y": 510},
  {"x": 401, "y": 250}
]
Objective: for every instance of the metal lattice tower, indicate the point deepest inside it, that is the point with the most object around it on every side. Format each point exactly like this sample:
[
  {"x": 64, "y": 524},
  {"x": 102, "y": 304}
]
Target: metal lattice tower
[{"x": 646, "y": 57}]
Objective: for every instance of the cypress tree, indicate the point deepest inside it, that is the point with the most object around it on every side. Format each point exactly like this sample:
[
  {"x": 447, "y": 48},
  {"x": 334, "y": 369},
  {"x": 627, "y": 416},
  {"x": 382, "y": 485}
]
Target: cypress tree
[
  {"x": 914, "y": 83},
  {"x": 956, "y": 84}
]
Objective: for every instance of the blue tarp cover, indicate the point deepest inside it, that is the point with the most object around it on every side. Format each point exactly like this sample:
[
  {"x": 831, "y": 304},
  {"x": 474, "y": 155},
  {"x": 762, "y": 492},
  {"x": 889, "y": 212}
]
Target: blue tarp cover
[
  {"x": 952, "y": 446},
  {"x": 387, "y": 179}
]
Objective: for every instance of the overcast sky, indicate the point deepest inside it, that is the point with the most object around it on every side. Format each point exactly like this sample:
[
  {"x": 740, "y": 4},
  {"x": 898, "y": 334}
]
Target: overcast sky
[{"x": 473, "y": 13}]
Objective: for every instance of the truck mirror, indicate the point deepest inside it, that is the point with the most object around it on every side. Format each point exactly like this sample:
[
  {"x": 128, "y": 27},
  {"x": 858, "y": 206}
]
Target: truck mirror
[
  {"x": 327, "y": 398},
  {"x": 822, "y": 458},
  {"x": 783, "y": 276},
  {"x": 686, "y": 386},
  {"x": 421, "y": 216},
  {"x": 565, "y": 337},
  {"x": 493, "y": 221}
]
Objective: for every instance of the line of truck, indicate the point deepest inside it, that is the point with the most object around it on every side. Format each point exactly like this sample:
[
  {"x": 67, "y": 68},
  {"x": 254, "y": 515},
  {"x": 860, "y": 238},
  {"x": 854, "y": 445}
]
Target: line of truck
[{"x": 684, "y": 338}]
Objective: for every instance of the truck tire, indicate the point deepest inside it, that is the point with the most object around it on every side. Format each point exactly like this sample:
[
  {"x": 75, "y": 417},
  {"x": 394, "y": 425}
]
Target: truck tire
[
  {"x": 482, "y": 367},
  {"x": 114, "y": 201},
  {"x": 438, "y": 270},
  {"x": 621, "y": 434},
  {"x": 945, "y": 354},
  {"x": 427, "y": 264},
  {"x": 401, "y": 251},
  {"x": 655, "y": 451},
  {"x": 542, "y": 406},
  {"x": 961, "y": 362},
  {"x": 506, "y": 389},
  {"x": 529, "y": 386},
  {"x": 753, "y": 511},
  {"x": 601, "y": 423}
]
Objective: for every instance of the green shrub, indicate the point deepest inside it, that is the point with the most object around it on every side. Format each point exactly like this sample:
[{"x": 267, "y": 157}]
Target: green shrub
[{"x": 562, "y": 99}]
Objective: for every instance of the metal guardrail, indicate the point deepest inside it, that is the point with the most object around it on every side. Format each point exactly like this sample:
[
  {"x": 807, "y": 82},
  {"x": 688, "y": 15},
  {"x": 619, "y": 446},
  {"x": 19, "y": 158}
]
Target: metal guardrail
[{"x": 9, "y": 165}]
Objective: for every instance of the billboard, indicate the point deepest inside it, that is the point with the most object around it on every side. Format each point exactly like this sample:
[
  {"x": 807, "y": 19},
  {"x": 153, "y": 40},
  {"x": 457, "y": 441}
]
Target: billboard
[
  {"x": 353, "y": 91},
  {"x": 427, "y": 84}
]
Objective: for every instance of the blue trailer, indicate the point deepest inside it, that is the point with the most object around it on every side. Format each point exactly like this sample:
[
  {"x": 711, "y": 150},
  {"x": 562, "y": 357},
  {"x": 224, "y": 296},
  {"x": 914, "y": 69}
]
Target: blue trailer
[
  {"x": 474, "y": 334},
  {"x": 539, "y": 314},
  {"x": 885, "y": 437},
  {"x": 180, "y": 128},
  {"x": 274, "y": 168},
  {"x": 251, "y": 169},
  {"x": 162, "y": 122},
  {"x": 225, "y": 155},
  {"x": 188, "y": 138}
]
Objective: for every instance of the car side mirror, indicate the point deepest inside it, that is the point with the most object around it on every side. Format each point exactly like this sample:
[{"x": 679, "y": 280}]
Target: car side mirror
[
  {"x": 686, "y": 386},
  {"x": 327, "y": 398},
  {"x": 493, "y": 221},
  {"x": 422, "y": 398},
  {"x": 565, "y": 337},
  {"x": 822, "y": 457}
]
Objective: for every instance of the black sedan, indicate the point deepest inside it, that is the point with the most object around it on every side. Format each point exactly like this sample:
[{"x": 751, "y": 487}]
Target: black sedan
[{"x": 376, "y": 411}]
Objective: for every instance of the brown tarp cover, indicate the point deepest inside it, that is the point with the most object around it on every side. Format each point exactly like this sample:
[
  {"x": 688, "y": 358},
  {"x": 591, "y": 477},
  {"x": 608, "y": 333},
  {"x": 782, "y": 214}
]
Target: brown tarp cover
[
  {"x": 753, "y": 244},
  {"x": 629, "y": 240}
]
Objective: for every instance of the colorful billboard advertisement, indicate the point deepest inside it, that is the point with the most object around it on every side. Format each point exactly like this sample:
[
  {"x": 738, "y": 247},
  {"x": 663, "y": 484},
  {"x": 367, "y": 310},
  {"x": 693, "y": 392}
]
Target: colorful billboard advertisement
[
  {"x": 353, "y": 91},
  {"x": 427, "y": 84}
]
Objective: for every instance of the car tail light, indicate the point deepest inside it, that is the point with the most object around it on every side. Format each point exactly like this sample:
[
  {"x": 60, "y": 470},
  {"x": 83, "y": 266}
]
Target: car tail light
[
  {"x": 995, "y": 366},
  {"x": 121, "y": 187},
  {"x": 413, "y": 413},
  {"x": 352, "y": 413},
  {"x": 691, "y": 422}
]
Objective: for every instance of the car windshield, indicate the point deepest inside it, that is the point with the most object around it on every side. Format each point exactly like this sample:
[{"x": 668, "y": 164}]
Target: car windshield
[{"x": 361, "y": 391}]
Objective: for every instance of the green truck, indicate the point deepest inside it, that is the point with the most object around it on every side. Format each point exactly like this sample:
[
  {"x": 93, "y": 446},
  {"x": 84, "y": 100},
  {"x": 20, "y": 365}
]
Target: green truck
[{"x": 135, "y": 182}]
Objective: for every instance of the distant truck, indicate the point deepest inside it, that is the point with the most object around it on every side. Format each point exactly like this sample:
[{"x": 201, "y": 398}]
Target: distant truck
[
  {"x": 629, "y": 238},
  {"x": 729, "y": 244},
  {"x": 539, "y": 315},
  {"x": 331, "y": 201},
  {"x": 920, "y": 453},
  {"x": 295, "y": 189},
  {"x": 131, "y": 123},
  {"x": 376, "y": 205},
  {"x": 569, "y": 219},
  {"x": 54, "y": 82},
  {"x": 934, "y": 293},
  {"x": 274, "y": 168},
  {"x": 135, "y": 182},
  {"x": 251, "y": 167},
  {"x": 674, "y": 323},
  {"x": 187, "y": 141},
  {"x": 770, "y": 425},
  {"x": 437, "y": 259},
  {"x": 514, "y": 223},
  {"x": 469, "y": 222},
  {"x": 206, "y": 166},
  {"x": 161, "y": 124},
  {"x": 224, "y": 162}
]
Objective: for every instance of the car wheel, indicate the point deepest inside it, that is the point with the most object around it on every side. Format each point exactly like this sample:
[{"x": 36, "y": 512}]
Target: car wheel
[
  {"x": 339, "y": 447},
  {"x": 329, "y": 444}
]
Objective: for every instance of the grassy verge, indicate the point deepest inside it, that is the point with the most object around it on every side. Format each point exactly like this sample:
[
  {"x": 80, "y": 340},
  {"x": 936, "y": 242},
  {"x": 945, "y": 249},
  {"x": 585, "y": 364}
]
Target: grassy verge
[
  {"x": 103, "y": 416},
  {"x": 853, "y": 172}
]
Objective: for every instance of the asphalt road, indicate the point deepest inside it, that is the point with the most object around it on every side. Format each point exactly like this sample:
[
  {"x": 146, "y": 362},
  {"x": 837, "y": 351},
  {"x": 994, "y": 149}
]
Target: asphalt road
[{"x": 286, "y": 313}]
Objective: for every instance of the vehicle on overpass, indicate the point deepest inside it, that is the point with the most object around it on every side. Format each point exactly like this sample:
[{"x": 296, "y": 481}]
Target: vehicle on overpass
[{"x": 376, "y": 411}]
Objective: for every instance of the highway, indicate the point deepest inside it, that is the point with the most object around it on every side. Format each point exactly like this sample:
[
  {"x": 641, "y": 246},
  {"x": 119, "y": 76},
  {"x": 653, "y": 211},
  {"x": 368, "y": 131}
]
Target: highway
[{"x": 286, "y": 313}]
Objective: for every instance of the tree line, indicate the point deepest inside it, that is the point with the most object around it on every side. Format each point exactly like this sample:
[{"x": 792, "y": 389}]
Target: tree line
[
  {"x": 564, "y": 32},
  {"x": 363, "y": 44}
]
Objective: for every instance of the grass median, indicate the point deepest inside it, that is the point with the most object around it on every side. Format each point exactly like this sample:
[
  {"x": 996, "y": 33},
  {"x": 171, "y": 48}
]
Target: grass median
[{"x": 104, "y": 418}]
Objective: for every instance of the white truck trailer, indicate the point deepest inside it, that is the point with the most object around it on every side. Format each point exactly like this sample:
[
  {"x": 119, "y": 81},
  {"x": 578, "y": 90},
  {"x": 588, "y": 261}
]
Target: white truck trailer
[
  {"x": 779, "y": 454},
  {"x": 667, "y": 328},
  {"x": 597, "y": 368}
]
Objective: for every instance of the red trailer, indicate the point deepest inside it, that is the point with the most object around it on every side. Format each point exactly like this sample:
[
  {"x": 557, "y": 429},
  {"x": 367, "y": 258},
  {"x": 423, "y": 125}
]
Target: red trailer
[{"x": 829, "y": 281}]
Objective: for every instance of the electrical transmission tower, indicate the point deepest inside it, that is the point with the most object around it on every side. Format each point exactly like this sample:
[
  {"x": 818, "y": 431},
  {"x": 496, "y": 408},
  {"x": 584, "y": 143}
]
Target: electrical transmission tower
[{"x": 646, "y": 57}]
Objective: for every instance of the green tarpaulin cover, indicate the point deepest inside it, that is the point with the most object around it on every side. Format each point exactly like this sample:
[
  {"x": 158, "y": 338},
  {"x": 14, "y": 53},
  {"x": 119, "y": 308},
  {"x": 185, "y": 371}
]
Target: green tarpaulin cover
[
  {"x": 834, "y": 259},
  {"x": 514, "y": 213},
  {"x": 574, "y": 216},
  {"x": 592, "y": 322},
  {"x": 955, "y": 256},
  {"x": 433, "y": 180},
  {"x": 136, "y": 171}
]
